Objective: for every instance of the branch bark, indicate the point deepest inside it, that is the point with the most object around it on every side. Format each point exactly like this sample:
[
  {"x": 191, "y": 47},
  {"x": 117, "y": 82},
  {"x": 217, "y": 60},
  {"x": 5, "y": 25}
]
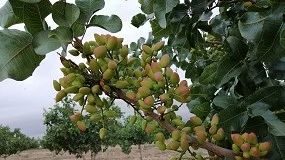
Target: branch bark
[{"x": 193, "y": 141}]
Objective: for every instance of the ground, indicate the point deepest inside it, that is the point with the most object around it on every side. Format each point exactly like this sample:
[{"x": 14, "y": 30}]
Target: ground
[{"x": 149, "y": 152}]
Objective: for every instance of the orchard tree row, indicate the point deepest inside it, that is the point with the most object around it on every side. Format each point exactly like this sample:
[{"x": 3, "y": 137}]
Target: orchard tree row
[
  {"x": 63, "y": 135},
  {"x": 233, "y": 59},
  {"x": 14, "y": 142}
]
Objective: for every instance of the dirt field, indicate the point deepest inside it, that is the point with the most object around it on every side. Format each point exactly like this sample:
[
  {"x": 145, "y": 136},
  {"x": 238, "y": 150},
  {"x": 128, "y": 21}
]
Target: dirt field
[{"x": 149, "y": 152}]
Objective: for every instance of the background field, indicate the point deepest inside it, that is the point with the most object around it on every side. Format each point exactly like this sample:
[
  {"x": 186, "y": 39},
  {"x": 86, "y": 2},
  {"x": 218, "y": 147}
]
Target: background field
[{"x": 149, "y": 152}]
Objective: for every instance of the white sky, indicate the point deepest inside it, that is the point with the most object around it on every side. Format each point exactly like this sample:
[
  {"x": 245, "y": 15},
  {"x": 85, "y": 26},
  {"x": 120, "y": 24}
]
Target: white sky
[{"x": 22, "y": 102}]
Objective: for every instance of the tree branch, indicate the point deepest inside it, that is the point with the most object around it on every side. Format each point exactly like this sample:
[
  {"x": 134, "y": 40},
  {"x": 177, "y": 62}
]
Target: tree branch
[{"x": 193, "y": 141}]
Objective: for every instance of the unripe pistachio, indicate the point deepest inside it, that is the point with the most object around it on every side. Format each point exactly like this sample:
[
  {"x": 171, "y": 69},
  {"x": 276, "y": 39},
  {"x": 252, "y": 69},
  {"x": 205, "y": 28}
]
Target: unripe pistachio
[
  {"x": 186, "y": 130},
  {"x": 246, "y": 155},
  {"x": 102, "y": 133},
  {"x": 124, "y": 51},
  {"x": 147, "y": 82},
  {"x": 150, "y": 128},
  {"x": 237, "y": 139},
  {"x": 149, "y": 100},
  {"x": 252, "y": 139},
  {"x": 100, "y": 39},
  {"x": 78, "y": 96},
  {"x": 112, "y": 65},
  {"x": 108, "y": 74},
  {"x": 81, "y": 125},
  {"x": 155, "y": 67},
  {"x": 217, "y": 137},
  {"x": 245, "y": 147},
  {"x": 175, "y": 134},
  {"x": 87, "y": 49},
  {"x": 158, "y": 76},
  {"x": 110, "y": 114},
  {"x": 147, "y": 49},
  {"x": 158, "y": 46},
  {"x": 178, "y": 122},
  {"x": 90, "y": 108},
  {"x": 98, "y": 100},
  {"x": 71, "y": 89},
  {"x": 56, "y": 85},
  {"x": 96, "y": 89},
  {"x": 133, "y": 119},
  {"x": 213, "y": 129},
  {"x": 94, "y": 66},
  {"x": 201, "y": 136},
  {"x": 160, "y": 137},
  {"x": 96, "y": 117},
  {"x": 168, "y": 72},
  {"x": 173, "y": 145},
  {"x": 84, "y": 90},
  {"x": 112, "y": 43},
  {"x": 74, "y": 52},
  {"x": 160, "y": 145},
  {"x": 164, "y": 61},
  {"x": 199, "y": 128},
  {"x": 60, "y": 95},
  {"x": 161, "y": 109},
  {"x": 164, "y": 97},
  {"x": 264, "y": 146},
  {"x": 182, "y": 91},
  {"x": 131, "y": 94},
  {"x": 184, "y": 144},
  {"x": 195, "y": 121},
  {"x": 221, "y": 132},
  {"x": 174, "y": 79},
  {"x": 100, "y": 52},
  {"x": 238, "y": 158},
  {"x": 66, "y": 63},
  {"x": 143, "y": 92},
  {"x": 235, "y": 148},
  {"x": 254, "y": 152},
  {"x": 76, "y": 117},
  {"x": 122, "y": 84},
  {"x": 215, "y": 120}
]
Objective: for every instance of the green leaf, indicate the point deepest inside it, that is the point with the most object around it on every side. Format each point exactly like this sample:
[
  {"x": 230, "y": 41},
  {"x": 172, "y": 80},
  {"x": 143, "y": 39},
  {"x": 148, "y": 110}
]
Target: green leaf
[
  {"x": 250, "y": 25},
  {"x": 32, "y": 14},
  {"x": 200, "y": 109},
  {"x": 18, "y": 58},
  {"x": 269, "y": 47},
  {"x": 233, "y": 118},
  {"x": 138, "y": 20},
  {"x": 44, "y": 44},
  {"x": 65, "y": 14},
  {"x": 7, "y": 16},
  {"x": 30, "y": 1},
  {"x": 199, "y": 90},
  {"x": 159, "y": 32},
  {"x": 282, "y": 39},
  {"x": 111, "y": 23},
  {"x": 147, "y": 6},
  {"x": 209, "y": 74},
  {"x": 227, "y": 70},
  {"x": 278, "y": 147},
  {"x": 269, "y": 95},
  {"x": 224, "y": 101},
  {"x": 160, "y": 8},
  {"x": 238, "y": 47},
  {"x": 198, "y": 6},
  {"x": 89, "y": 7},
  {"x": 276, "y": 127},
  {"x": 64, "y": 35}
]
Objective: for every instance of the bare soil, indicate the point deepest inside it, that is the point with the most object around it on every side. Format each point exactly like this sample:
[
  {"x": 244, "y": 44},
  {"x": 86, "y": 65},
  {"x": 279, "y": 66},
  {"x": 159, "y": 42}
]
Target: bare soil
[{"x": 149, "y": 152}]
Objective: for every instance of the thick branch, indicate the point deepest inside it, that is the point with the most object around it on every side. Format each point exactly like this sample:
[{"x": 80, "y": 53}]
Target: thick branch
[{"x": 193, "y": 141}]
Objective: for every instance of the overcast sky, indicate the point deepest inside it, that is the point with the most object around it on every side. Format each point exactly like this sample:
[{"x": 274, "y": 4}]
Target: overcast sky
[{"x": 22, "y": 102}]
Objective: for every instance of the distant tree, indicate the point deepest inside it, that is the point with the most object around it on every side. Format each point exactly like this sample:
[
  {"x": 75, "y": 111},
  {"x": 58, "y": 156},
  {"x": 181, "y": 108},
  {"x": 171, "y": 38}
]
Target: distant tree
[
  {"x": 13, "y": 142},
  {"x": 63, "y": 135}
]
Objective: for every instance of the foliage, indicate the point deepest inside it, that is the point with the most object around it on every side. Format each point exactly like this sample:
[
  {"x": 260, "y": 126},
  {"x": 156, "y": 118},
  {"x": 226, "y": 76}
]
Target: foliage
[
  {"x": 234, "y": 59},
  {"x": 63, "y": 135},
  {"x": 13, "y": 142}
]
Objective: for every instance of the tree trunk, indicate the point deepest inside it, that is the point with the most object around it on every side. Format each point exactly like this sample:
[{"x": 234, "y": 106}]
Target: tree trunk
[{"x": 140, "y": 148}]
